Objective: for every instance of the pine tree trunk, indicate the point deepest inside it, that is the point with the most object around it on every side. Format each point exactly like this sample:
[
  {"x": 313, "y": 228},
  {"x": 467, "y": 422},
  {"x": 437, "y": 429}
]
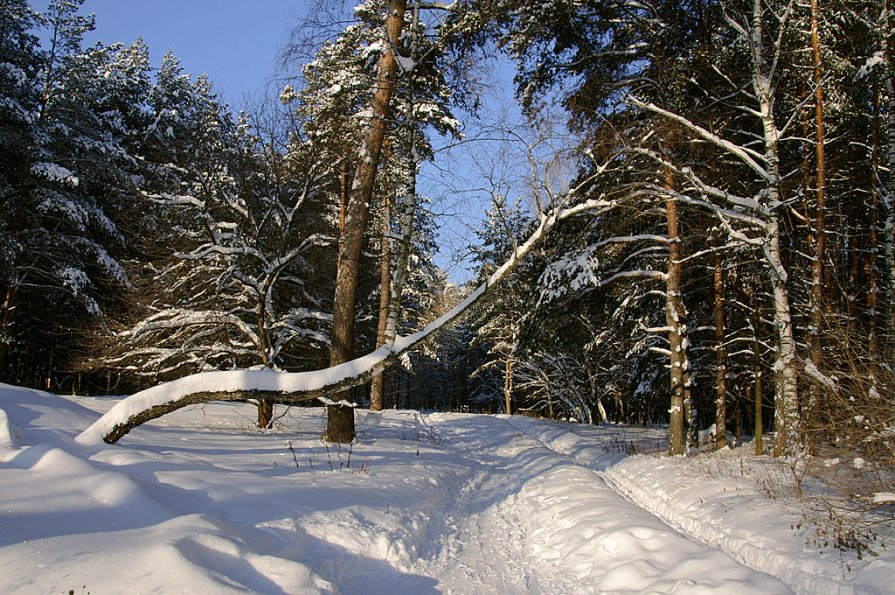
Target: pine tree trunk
[
  {"x": 817, "y": 277},
  {"x": 5, "y": 326},
  {"x": 265, "y": 413},
  {"x": 390, "y": 301},
  {"x": 873, "y": 239},
  {"x": 265, "y": 407},
  {"x": 508, "y": 384},
  {"x": 720, "y": 358},
  {"x": 888, "y": 28},
  {"x": 409, "y": 214},
  {"x": 340, "y": 418},
  {"x": 676, "y": 320},
  {"x": 343, "y": 206}
]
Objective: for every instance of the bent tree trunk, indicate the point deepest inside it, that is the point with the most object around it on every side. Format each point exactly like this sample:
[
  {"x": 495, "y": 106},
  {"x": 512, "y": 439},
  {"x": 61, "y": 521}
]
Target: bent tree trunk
[{"x": 297, "y": 387}]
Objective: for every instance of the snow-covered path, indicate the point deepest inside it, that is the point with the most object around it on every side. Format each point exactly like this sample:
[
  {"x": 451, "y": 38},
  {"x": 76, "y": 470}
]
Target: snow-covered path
[
  {"x": 534, "y": 521},
  {"x": 482, "y": 546}
]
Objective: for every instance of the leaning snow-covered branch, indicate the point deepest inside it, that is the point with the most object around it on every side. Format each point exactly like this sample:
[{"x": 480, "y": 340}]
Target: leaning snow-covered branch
[
  {"x": 288, "y": 387},
  {"x": 744, "y": 154}
]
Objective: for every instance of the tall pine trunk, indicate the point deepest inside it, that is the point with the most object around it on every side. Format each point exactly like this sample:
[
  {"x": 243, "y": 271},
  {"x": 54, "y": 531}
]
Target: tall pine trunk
[
  {"x": 870, "y": 266},
  {"x": 720, "y": 357},
  {"x": 5, "y": 328},
  {"x": 343, "y": 206},
  {"x": 508, "y": 383},
  {"x": 390, "y": 300},
  {"x": 340, "y": 418},
  {"x": 676, "y": 320},
  {"x": 817, "y": 277}
]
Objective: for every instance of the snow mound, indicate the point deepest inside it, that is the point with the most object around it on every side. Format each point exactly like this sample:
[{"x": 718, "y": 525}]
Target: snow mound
[
  {"x": 704, "y": 498},
  {"x": 8, "y": 432}
]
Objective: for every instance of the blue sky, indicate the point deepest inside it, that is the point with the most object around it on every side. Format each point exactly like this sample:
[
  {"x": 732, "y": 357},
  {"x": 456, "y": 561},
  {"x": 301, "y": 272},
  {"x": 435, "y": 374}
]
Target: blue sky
[{"x": 235, "y": 41}]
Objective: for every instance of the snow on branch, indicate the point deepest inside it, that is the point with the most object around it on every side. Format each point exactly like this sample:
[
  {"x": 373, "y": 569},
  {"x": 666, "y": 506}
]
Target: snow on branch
[
  {"x": 294, "y": 387},
  {"x": 744, "y": 154}
]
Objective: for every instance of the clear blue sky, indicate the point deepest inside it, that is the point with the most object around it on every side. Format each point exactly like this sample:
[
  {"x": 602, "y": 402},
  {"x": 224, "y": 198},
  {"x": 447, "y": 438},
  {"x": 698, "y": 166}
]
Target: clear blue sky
[{"x": 235, "y": 42}]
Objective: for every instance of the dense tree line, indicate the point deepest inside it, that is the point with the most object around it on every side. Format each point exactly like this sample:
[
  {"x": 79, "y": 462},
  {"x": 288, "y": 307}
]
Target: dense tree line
[
  {"x": 730, "y": 260},
  {"x": 149, "y": 232},
  {"x": 751, "y": 241}
]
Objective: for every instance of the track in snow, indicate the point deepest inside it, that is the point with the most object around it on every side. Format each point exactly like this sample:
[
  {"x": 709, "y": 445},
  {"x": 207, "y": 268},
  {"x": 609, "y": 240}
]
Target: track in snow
[{"x": 532, "y": 520}]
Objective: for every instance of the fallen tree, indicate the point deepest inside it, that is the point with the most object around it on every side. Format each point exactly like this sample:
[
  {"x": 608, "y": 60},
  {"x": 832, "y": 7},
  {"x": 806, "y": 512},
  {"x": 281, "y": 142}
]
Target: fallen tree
[{"x": 297, "y": 387}]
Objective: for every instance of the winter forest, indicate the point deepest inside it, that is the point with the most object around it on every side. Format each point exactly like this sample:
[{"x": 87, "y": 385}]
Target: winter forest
[{"x": 690, "y": 235}]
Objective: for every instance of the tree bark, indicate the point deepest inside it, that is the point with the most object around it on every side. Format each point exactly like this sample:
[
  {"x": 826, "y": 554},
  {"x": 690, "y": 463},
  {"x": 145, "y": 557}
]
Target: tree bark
[
  {"x": 873, "y": 239},
  {"x": 5, "y": 326},
  {"x": 817, "y": 277},
  {"x": 340, "y": 418},
  {"x": 508, "y": 383},
  {"x": 676, "y": 320},
  {"x": 757, "y": 377},
  {"x": 343, "y": 205},
  {"x": 720, "y": 358},
  {"x": 265, "y": 407},
  {"x": 786, "y": 400},
  {"x": 888, "y": 28},
  {"x": 385, "y": 278}
]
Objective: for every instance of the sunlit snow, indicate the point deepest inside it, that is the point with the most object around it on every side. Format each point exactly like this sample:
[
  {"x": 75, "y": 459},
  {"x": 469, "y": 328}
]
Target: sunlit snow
[{"x": 200, "y": 502}]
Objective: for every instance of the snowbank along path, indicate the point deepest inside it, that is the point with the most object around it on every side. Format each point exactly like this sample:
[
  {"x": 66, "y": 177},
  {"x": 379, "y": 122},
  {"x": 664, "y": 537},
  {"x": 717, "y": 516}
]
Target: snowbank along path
[{"x": 533, "y": 520}]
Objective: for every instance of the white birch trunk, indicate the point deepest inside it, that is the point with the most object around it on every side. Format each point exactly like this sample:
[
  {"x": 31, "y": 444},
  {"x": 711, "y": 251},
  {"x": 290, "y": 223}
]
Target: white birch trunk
[
  {"x": 888, "y": 196},
  {"x": 787, "y": 397}
]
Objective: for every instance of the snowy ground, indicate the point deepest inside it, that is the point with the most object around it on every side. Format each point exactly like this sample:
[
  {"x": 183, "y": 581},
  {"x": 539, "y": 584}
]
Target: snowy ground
[{"x": 198, "y": 502}]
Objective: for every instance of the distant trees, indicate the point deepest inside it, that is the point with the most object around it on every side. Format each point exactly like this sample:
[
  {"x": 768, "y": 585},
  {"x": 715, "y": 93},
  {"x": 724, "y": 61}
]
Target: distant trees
[
  {"x": 718, "y": 112},
  {"x": 725, "y": 248},
  {"x": 234, "y": 247},
  {"x": 498, "y": 320},
  {"x": 148, "y": 233},
  {"x": 67, "y": 172}
]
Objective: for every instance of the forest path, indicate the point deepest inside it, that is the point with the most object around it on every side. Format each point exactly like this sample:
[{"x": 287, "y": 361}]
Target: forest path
[{"x": 533, "y": 520}]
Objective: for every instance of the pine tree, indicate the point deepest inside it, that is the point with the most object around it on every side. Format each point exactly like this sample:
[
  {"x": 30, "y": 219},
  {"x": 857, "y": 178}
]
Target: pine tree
[{"x": 66, "y": 246}]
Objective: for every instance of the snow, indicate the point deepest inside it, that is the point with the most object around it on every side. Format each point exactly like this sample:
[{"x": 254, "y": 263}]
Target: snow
[
  {"x": 877, "y": 60},
  {"x": 198, "y": 501},
  {"x": 820, "y": 377},
  {"x": 55, "y": 173},
  {"x": 406, "y": 64}
]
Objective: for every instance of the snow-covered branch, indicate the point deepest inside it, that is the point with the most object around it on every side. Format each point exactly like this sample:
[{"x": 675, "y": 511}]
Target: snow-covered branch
[{"x": 292, "y": 387}]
